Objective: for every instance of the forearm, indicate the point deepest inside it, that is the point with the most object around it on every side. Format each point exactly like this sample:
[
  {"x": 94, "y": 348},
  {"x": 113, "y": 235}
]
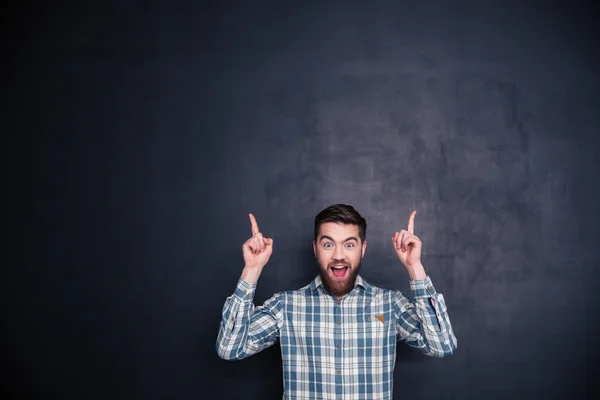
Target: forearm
[{"x": 251, "y": 274}]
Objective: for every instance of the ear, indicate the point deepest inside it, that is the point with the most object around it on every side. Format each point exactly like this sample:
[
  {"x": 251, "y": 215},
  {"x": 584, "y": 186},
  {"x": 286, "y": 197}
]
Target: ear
[
  {"x": 364, "y": 248},
  {"x": 315, "y": 248}
]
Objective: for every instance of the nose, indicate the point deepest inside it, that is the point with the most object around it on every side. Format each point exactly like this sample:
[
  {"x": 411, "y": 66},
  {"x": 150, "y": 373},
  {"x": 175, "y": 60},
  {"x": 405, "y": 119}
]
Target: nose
[{"x": 338, "y": 255}]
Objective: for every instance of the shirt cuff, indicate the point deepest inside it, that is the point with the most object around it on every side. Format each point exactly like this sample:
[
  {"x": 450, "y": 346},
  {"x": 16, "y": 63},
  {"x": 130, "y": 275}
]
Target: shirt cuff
[
  {"x": 245, "y": 290},
  {"x": 422, "y": 288}
]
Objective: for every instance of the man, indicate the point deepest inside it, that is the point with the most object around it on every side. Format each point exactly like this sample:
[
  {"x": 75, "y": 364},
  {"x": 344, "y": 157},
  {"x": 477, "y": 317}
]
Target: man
[{"x": 338, "y": 334}]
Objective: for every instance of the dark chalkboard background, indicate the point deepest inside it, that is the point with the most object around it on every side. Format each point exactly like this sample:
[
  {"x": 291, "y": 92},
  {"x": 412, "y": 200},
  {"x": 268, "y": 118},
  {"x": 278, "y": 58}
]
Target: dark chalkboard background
[{"x": 139, "y": 135}]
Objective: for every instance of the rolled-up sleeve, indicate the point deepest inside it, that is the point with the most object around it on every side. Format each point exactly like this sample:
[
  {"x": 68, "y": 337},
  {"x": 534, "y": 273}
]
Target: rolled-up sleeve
[
  {"x": 425, "y": 324},
  {"x": 244, "y": 329}
]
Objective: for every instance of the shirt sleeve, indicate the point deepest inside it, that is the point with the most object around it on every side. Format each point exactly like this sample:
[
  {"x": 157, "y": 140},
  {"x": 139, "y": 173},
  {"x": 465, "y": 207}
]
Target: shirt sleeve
[
  {"x": 424, "y": 324},
  {"x": 245, "y": 330}
]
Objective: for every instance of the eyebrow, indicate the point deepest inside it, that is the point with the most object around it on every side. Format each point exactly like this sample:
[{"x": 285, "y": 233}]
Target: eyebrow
[{"x": 330, "y": 238}]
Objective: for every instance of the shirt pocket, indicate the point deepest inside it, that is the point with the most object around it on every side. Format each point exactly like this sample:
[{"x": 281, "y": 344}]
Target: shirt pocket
[{"x": 370, "y": 336}]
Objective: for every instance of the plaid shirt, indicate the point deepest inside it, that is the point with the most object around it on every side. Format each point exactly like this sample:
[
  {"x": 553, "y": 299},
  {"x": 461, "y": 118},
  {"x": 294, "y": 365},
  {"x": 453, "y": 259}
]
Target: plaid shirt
[{"x": 334, "y": 349}]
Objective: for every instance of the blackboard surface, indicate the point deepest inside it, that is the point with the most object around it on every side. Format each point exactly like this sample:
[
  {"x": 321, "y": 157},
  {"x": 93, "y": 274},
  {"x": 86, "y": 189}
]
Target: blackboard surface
[{"x": 139, "y": 135}]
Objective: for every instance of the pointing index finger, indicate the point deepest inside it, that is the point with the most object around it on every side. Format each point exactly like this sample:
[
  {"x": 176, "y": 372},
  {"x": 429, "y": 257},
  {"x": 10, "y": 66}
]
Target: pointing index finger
[
  {"x": 253, "y": 224},
  {"x": 411, "y": 222}
]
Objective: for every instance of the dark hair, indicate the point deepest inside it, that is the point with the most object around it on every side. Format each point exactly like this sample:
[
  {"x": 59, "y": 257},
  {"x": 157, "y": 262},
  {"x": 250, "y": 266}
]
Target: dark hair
[{"x": 341, "y": 214}]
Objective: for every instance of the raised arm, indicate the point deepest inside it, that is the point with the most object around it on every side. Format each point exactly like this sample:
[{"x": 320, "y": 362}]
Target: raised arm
[
  {"x": 424, "y": 324},
  {"x": 245, "y": 330}
]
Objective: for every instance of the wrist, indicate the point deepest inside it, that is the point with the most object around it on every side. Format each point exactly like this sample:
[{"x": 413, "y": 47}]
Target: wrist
[
  {"x": 251, "y": 274},
  {"x": 416, "y": 272}
]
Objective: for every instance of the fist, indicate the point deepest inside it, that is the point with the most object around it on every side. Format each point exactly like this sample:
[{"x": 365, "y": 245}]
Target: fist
[{"x": 258, "y": 249}]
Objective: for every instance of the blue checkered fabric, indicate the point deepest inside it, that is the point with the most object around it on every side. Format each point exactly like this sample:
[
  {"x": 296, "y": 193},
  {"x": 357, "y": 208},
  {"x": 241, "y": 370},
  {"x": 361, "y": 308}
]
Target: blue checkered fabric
[{"x": 336, "y": 349}]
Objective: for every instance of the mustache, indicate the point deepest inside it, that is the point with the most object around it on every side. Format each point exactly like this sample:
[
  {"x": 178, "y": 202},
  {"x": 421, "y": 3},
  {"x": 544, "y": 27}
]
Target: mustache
[{"x": 333, "y": 263}]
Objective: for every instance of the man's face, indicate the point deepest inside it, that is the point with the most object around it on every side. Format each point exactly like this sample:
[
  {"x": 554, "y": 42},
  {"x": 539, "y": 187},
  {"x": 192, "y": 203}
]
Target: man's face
[{"x": 338, "y": 251}]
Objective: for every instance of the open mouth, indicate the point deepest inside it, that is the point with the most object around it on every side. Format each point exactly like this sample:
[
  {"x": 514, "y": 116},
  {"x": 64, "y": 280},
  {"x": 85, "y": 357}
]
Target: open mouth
[{"x": 339, "y": 271}]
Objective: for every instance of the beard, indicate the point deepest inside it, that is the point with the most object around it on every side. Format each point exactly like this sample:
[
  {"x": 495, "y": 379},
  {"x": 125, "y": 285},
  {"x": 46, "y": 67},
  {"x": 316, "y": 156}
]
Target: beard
[{"x": 336, "y": 287}]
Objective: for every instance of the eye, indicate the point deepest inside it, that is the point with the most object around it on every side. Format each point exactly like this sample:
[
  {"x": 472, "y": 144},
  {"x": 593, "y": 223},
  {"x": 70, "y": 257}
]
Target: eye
[
  {"x": 349, "y": 245},
  {"x": 328, "y": 245}
]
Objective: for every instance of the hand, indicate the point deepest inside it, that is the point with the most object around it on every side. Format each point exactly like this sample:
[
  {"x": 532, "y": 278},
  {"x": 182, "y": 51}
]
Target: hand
[
  {"x": 407, "y": 245},
  {"x": 258, "y": 249}
]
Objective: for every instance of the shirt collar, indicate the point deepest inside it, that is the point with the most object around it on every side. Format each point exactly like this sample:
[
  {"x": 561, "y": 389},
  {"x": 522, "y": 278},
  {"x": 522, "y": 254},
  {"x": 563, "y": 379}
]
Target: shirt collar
[{"x": 314, "y": 285}]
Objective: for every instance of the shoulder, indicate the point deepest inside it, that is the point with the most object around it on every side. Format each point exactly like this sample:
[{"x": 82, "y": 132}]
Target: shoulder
[
  {"x": 283, "y": 295},
  {"x": 392, "y": 296},
  {"x": 376, "y": 290},
  {"x": 296, "y": 294}
]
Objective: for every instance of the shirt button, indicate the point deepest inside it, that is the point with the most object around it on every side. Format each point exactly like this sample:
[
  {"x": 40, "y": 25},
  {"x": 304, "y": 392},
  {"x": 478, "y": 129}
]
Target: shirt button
[
  {"x": 339, "y": 322},
  {"x": 339, "y": 302},
  {"x": 369, "y": 319},
  {"x": 245, "y": 291},
  {"x": 339, "y": 346},
  {"x": 339, "y": 372},
  {"x": 429, "y": 288}
]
